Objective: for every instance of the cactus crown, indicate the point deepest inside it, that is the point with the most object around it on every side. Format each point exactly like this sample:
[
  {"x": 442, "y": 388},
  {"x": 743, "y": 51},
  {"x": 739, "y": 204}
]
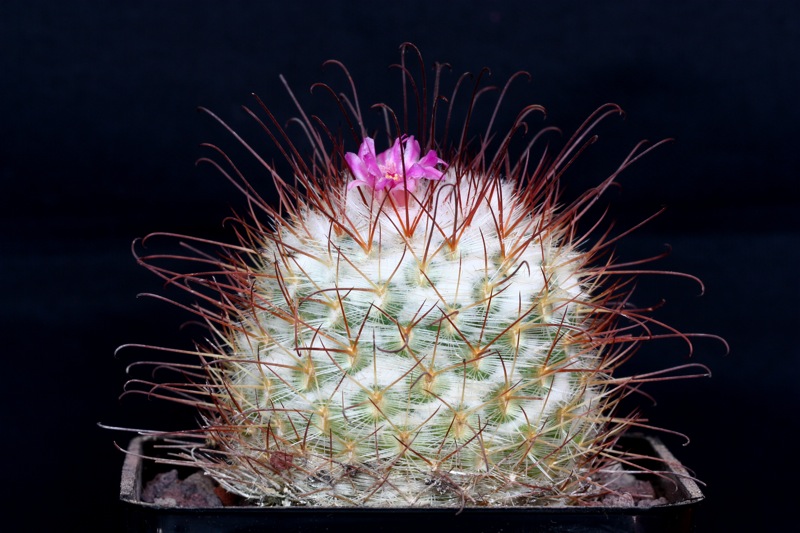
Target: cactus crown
[{"x": 420, "y": 325}]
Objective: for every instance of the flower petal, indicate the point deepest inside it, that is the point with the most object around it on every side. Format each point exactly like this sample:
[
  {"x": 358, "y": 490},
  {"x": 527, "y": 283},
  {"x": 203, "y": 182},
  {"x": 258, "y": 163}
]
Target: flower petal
[
  {"x": 357, "y": 167},
  {"x": 410, "y": 151}
]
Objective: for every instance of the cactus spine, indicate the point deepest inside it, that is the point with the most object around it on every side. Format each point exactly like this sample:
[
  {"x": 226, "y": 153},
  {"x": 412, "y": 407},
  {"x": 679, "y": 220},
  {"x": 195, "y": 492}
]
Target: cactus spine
[{"x": 410, "y": 330}]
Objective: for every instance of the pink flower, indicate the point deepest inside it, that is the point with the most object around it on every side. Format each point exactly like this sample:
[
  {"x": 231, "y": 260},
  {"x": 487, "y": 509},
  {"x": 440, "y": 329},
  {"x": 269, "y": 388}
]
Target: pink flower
[{"x": 385, "y": 170}]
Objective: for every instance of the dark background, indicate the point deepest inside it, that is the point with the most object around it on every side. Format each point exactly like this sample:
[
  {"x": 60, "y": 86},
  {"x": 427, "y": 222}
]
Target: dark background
[{"x": 98, "y": 138}]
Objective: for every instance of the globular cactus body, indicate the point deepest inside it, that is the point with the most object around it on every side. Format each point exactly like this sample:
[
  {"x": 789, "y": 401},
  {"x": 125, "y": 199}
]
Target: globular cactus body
[
  {"x": 411, "y": 331},
  {"x": 415, "y": 354}
]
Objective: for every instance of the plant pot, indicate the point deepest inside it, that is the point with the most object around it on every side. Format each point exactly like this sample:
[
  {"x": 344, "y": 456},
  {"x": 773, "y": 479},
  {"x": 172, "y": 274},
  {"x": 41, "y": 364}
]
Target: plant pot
[{"x": 675, "y": 485}]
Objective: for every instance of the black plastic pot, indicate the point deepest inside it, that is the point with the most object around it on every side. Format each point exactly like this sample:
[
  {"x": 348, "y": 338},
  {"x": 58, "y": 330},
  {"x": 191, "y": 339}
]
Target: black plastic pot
[{"x": 682, "y": 494}]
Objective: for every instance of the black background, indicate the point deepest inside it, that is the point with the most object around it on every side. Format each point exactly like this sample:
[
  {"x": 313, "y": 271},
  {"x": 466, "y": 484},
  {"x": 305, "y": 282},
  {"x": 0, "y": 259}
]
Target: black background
[{"x": 98, "y": 136}]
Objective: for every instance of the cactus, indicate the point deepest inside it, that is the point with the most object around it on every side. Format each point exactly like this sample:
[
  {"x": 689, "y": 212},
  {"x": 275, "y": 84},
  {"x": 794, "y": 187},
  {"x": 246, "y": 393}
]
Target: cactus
[{"x": 409, "y": 329}]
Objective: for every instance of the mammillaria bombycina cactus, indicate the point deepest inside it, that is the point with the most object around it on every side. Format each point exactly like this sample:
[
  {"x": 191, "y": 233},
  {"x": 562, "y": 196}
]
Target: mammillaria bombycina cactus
[{"x": 422, "y": 324}]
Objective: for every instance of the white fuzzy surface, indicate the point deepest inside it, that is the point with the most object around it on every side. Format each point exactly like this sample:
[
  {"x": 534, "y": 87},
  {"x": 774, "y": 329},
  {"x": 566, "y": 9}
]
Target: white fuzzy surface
[{"x": 347, "y": 329}]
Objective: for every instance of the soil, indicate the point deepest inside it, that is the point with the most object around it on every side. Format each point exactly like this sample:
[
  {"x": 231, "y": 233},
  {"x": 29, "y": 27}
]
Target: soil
[{"x": 197, "y": 490}]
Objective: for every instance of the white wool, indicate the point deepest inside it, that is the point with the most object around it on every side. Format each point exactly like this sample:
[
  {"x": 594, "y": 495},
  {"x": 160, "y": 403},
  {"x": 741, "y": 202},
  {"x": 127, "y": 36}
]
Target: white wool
[{"x": 373, "y": 335}]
